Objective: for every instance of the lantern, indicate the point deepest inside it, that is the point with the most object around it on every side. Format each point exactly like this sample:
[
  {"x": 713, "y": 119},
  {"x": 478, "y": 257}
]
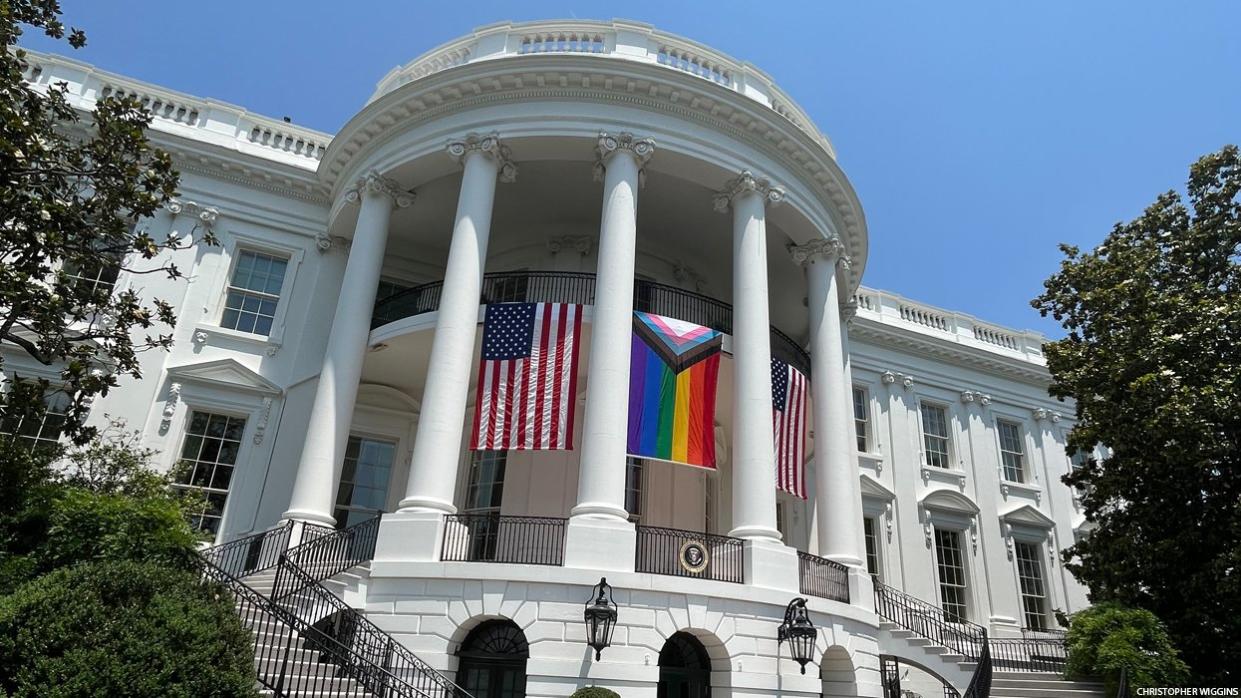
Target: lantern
[
  {"x": 799, "y": 631},
  {"x": 600, "y": 617}
]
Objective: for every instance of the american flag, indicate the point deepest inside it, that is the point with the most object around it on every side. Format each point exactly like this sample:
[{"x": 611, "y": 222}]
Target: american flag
[
  {"x": 788, "y": 408},
  {"x": 527, "y": 378}
]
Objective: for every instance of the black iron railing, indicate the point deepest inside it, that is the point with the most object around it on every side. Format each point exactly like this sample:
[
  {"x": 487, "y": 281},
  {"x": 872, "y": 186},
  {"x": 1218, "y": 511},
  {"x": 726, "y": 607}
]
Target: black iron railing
[
  {"x": 250, "y": 554},
  {"x": 1029, "y": 654},
  {"x": 821, "y": 577},
  {"x": 526, "y": 540},
  {"x": 980, "y": 682},
  {"x": 306, "y": 645},
  {"x": 299, "y": 593},
  {"x": 930, "y": 621},
  {"x": 577, "y": 287},
  {"x": 690, "y": 554}
]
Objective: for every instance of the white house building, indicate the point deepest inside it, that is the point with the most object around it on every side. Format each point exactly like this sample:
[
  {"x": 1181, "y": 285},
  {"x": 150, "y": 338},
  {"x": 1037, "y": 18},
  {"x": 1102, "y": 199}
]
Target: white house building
[{"x": 327, "y": 358}]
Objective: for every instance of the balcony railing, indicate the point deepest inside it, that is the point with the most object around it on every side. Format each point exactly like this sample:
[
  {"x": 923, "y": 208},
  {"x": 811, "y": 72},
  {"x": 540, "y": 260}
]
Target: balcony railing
[
  {"x": 821, "y": 577},
  {"x": 929, "y": 621},
  {"x": 689, "y": 554},
  {"x": 524, "y": 540},
  {"x": 576, "y": 287},
  {"x": 1029, "y": 654}
]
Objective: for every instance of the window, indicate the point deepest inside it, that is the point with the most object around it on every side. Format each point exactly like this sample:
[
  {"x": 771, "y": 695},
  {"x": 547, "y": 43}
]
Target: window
[
  {"x": 208, "y": 456},
  {"x": 93, "y": 277},
  {"x": 363, "y": 490},
  {"x": 861, "y": 421},
  {"x": 38, "y": 427},
  {"x": 709, "y": 496},
  {"x": 388, "y": 287},
  {"x": 1079, "y": 459},
  {"x": 872, "y": 545},
  {"x": 486, "y": 488},
  {"x": 1030, "y": 578},
  {"x": 951, "y": 567},
  {"x": 935, "y": 435},
  {"x": 634, "y": 468},
  {"x": 781, "y": 512},
  {"x": 1012, "y": 454},
  {"x": 254, "y": 292}
]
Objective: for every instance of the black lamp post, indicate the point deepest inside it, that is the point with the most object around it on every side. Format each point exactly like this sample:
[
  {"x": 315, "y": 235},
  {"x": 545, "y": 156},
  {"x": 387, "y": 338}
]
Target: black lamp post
[
  {"x": 799, "y": 631},
  {"x": 600, "y": 617}
]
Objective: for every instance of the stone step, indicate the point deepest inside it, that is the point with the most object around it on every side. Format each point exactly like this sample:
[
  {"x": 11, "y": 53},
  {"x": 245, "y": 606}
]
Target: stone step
[
  {"x": 1057, "y": 692},
  {"x": 1002, "y": 680}
]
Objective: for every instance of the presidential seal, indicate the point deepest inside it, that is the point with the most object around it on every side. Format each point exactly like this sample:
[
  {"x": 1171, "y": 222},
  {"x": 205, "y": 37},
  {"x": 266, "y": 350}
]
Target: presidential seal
[{"x": 693, "y": 556}]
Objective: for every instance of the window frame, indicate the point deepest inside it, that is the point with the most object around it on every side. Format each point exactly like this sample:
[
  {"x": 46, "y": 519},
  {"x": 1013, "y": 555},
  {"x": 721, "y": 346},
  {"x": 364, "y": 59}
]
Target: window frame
[
  {"x": 862, "y": 428},
  {"x": 635, "y": 465},
  {"x": 1043, "y": 599},
  {"x": 213, "y": 409},
  {"x": 937, "y": 559},
  {"x": 947, "y": 436},
  {"x": 474, "y": 459},
  {"x": 230, "y": 288},
  {"x": 387, "y": 487},
  {"x": 53, "y": 390},
  {"x": 873, "y": 545},
  {"x": 1000, "y": 423},
  {"x": 238, "y": 243}
]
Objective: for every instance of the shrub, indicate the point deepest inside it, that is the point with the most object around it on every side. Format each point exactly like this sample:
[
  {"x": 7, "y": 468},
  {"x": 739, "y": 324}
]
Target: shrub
[
  {"x": 594, "y": 692},
  {"x": 1107, "y": 638},
  {"x": 88, "y": 526},
  {"x": 122, "y": 629}
]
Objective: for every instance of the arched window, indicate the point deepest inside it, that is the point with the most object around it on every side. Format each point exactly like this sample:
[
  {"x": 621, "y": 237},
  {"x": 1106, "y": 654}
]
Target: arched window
[
  {"x": 684, "y": 668},
  {"x": 493, "y": 660}
]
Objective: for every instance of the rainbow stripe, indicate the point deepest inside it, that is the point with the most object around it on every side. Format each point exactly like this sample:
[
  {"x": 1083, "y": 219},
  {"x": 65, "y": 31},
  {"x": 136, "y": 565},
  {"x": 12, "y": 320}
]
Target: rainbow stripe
[{"x": 672, "y": 415}]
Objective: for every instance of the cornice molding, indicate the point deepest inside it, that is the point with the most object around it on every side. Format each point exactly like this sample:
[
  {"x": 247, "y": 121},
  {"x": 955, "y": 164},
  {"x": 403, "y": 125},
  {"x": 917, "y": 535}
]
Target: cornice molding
[
  {"x": 865, "y": 328},
  {"x": 586, "y": 78}
]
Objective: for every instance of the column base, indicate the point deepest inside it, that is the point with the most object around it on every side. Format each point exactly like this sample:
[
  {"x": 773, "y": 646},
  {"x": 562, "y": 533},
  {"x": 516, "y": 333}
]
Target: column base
[
  {"x": 861, "y": 589},
  {"x": 771, "y": 565},
  {"x": 598, "y": 543},
  {"x": 308, "y": 516},
  {"x": 410, "y": 536},
  {"x": 426, "y": 504}
]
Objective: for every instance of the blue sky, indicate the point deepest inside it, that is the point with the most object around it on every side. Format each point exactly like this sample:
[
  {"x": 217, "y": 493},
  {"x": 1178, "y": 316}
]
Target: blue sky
[{"x": 978, "y": 134}]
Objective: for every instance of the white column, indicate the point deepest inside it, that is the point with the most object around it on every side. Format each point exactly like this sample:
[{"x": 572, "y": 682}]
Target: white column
[
  {"x": 318, "y": 471},
  {"x": 413, "y": 533},
  {"x": 839, "y": 494},
  {"x": 599, "y": 535},
  {"x": 767, "y": 561}
]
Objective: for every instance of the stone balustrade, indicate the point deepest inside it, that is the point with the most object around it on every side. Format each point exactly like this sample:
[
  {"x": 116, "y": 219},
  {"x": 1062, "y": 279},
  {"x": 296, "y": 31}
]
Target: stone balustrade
[
  {"x": 892, "y": 309},
  {"x": 206, "y": 120},
  {"x": 625, "y": 40}
]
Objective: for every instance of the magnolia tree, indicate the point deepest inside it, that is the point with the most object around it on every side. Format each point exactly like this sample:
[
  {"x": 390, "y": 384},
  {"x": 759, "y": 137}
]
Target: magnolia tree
[
  {"x": 1152, "y": 358},
  {"x": 75, "y": 188}
]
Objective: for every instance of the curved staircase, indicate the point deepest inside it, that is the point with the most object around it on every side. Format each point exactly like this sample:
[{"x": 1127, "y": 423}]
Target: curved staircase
[{"x": 307, "y": 640}]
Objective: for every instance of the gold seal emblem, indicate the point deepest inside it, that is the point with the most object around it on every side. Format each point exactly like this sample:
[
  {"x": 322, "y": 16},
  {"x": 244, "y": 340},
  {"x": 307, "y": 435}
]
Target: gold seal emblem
[{"x": 693, "y": 556}]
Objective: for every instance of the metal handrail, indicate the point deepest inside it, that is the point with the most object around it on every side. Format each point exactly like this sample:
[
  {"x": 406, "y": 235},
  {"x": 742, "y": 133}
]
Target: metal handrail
[
  {"x": 980, "y": 682},
  {"x": 298, "y": 589},
  {"x": 658, "y": 551},
  {"x": 819, "y": 576},
  {"x": 528, "y": 540},
  {"x": 1029, "y": 654},
  {"x": 579, "y": 287},
  {"x": 250, "y": 554},
  {"x": 325, "y": 664},
  {"x": 930, "y": 621}
]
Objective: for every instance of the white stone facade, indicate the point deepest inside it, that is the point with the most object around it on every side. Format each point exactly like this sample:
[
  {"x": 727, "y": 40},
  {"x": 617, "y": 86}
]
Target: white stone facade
[{"x": 531, "y": 116}]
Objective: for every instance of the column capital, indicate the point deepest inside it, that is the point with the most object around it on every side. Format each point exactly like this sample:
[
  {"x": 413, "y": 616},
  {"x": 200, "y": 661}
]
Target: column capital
[
  {"x": 608, "y": 145},
  {"x": 829, "y": 249},
  {"x": 745, "y": 183},
  {"x": 374, "y": 183},
  {"x": 490, "y": 145},
  {"x": 848, "y": 310}
]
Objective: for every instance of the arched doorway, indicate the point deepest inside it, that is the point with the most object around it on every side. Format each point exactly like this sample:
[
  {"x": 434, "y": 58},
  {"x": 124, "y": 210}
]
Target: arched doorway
[
  {"x": 684, "y": 668},
  {"x": 493, "y": 660}
]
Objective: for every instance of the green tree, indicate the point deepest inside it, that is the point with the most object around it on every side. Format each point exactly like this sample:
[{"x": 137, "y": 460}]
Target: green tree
[
  {"x": 73, "y": 190},
  {"x": 1106, "y": 638},
  {"x": 122, "y": 629},
  {"x": 1152, "y": 358}
]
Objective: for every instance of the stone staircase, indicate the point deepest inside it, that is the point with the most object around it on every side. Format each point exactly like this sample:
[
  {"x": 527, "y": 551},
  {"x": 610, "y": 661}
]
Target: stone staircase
[{"x": 1029, "y": 684}]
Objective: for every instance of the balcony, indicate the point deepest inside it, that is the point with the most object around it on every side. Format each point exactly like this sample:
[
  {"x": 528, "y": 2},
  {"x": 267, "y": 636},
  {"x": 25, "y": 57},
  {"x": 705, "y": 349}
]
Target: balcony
[
  {"x": 524, "y": 540},
  {"x": 818, "y": 576},
  {"x": 693, "y": 554},
  {"x": 576, "y": 287}
]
